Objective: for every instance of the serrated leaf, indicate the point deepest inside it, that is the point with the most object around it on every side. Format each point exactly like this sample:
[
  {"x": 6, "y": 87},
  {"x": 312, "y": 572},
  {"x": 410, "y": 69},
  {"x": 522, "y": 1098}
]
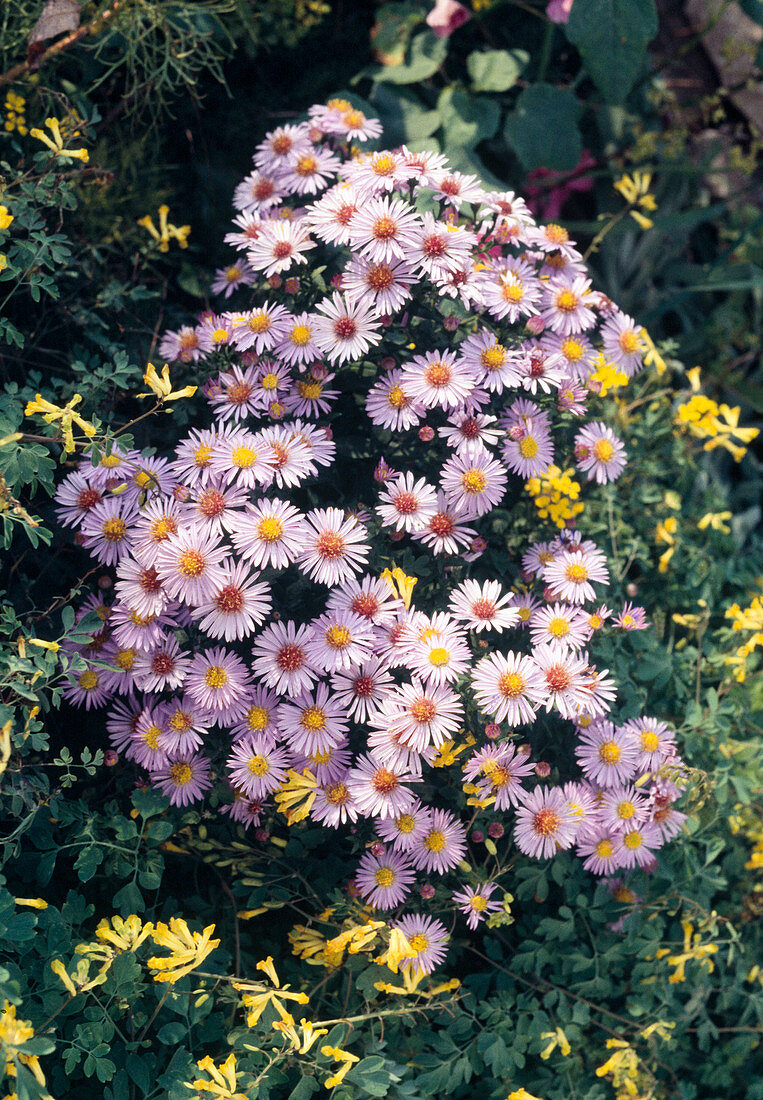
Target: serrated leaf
[{"x": 611, "y": 37}]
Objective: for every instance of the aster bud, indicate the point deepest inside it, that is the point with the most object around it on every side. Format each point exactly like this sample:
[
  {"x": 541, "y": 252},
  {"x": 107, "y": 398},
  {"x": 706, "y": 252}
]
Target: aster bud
[
  {"x": 426, "y": 434},
  {"x": 543, "y": 769},
  {"x": 495, "y": 830},
  {"x": 426, "y": 891},
  {"x": 492, "y": 731}
]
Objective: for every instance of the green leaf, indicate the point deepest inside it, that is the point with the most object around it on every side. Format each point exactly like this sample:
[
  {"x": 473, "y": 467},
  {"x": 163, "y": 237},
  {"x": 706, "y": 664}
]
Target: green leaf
[
  {"x": 612, "y": 37},
  {"x": 425, "y": 56},
  {"x": 495, "y": 70},
  {"x": 402, "y": 115},
  {"x": 306, "y": 1088},
  {"x": 171, "y": 1034},
  {"x": 392, "y": 31},
  {"x": 542, "y": 129},
  {"x": 465, "y": 120}
]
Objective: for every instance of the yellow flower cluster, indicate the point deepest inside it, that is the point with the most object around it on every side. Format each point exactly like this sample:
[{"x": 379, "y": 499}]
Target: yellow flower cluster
[
  {"x": 221, "y": 1080},
  {"x": 166, "y": 232},
  {"x": 188, "y": 949},
  {"x": 717, "y": 424},
  {"x": 56, "y": 142},
  {"x": 161, "y": 387},
  {"x": 556, "y": 495},
  {"x": 13, "y": 1034},
  {"x": 693, "y": 949},
  {"x": 635, "y": 191},
  {"x": 400, "y": 584},
  {"x": 63, "y": 413},
  {"x": 751, "y": 619},
  {"x": 607, "y": 377},
  {"x": 665, "y": 534},
  {"x": 15, "y": 114}
]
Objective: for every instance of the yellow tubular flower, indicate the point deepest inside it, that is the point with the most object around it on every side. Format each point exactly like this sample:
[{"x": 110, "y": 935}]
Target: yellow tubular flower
[
  {"x": 56, "y": 145},
  {"x": 401, "y": 584},
  {"x": 32, "y": 903},
  {"x": 124, "y": 934},
  {"x": 65, "y": 414},
  {"x": 166, "y": 232},
  {"x": 342, "y": 1056},
  {"x": 556, "y": 1038},
  {"x": 522, "y": 1094},
  {"x": 296, "y": 797},
  {"x": 222, "y": 1081},
  {"x": 189, "y": 949},
  {"x": 5, "y": 217},
  {"x": 161, "y": 387},
  {"x": 58, "y": 968}
]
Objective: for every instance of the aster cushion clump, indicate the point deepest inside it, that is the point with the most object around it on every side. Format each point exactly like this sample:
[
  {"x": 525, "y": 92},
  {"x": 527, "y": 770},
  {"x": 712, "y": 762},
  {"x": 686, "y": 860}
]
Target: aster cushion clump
[{"x": 472, "y": 332}]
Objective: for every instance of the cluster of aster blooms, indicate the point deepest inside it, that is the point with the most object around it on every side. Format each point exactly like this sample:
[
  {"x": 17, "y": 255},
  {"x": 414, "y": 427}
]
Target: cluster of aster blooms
[{"x": 253, "y": 644}]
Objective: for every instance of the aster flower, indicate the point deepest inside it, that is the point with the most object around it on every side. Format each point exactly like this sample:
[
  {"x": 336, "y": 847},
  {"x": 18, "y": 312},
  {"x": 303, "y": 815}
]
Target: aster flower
[
  {"x": 280, "y": 658},
  {"x": 383, "y": 284},
  {"x": 545, "y": 823},
  {"x": 308, "y": 171},
  {"x": 475, "y": 904},
  {"x": 230, "y": 278},
  {"x": 528, "y": 450},
  {"x": 346, "y": 329},
  {"x": 76, "y": 497},
  {"x": 567, "y": 678},
  {"x": 328, "y": 765},
  {"x": 361, "y": 689},
  {"x": 214, "y": 331},
  {"x": 259, "y": 714},
  {"x": 422, "y": 715},
  {"x": 370, "y": 597},
  {"x": 437, "y": 379},
  {"x": 384, "y": 229},
  {"x": 269, "y": 533},
  {"x": 334, "y": 546},
  {"x": 235, "y": 396},
  {"x": 445, "y": 532},
  {"x": 599, "y": 852},
  {"x": 407, "y": 504},
  {"x": 442, "y": 846},
  {"x": 332, "y": 215},
  {"x": 599, "y": 453},
  {"x": 218, "y": 681},
  {"x": 193, "y": 456},
  {"x": 483, "y": 606},
  {"x": 107, "y": 529},
  {"x": 182, "y": 345},
  {"x": 257, "y": 767},
  {"x": 494, "y": 365},
  {"x": 296, "y": 343},
  {"x": 140, "y": 587},
  {"x": 440, "y": 248},
  {"x": 631, "y": 617},
  {"x": 184, "y": 780},
  {"x": 257, "y": 192},
  {"x": 380, "y": 789},
  {"x": 185, "y": 724},
  {"x": 512, "y": 292},
  {"x": 508, "y": 687},
  {"x": 377, "y": 173},
  {"x": 565, "y": 309},
  {"x": 340, "y": 640},
  {"x": 406, "y": 830},
  {"x": 260, "y": 329},
  {"x": 570, "y": 574},
  {"x": 190, "y": 564},
  {"x": 497, "y": 772},
  {"x": 145, "y": 746},
  {"x": 163, "y": 666},
  {"x": 427, "y": 938},
  {"x": 622, "y": 807},
  {"x": 454, "y": 188},
  {"x": 473, "y": 483},
  {"x": 384, "y": 879},
  {"x": 87, "y": 689},
  {"x": 237, "y": 604},
  {"x": 562, "y": 623},
  {"x": 389, "y": 406},
  {"x": 607, "y": 755},
  {"x": 655, "y": 741},
  {"x": 238, "y": 456},
  {"x": 576, "y": 351},
  {"x": 442, "y": 656},
  {"x": 274, "y": 150},
  {"x": 279, "y": 245},
  {"x": 623, "y": 343},
  {"x": 334, "y": 804},
  {"x": 636, "y": 846}
]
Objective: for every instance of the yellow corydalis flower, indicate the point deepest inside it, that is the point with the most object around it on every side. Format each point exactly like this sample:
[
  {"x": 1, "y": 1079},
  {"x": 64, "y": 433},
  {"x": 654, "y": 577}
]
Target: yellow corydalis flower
[
  {"x": 166, "y": 232},
  {"x": 296, "y": 797},
  {"x": 301, "y": 1041},
  {"x": 5, "y": 217},
  {"x": 665, "y": 534},
  {"x": 65, "y": 414},
  {"x": 556, "y": 1038},
  {"x": 635, "y": 191},
  {"x": 189, "y": 949},
  {"x": 716, "y": 521},
  {"x": 257, "y": 996},
  {"x": 693, "y": 949},
  {"x": 56, "y": 144},
  {"x": 400, "y": 584},
  {"x": 123, "y": 933},
  {"x": 15, "y": 114},
  {"x": 522, "y": 1094},
  {"x": 161, "y": 387},
  {"x": 32, "y": 903},
  {"x": 347, "y": 1060},
  {"x": 221, "y": 1080}
]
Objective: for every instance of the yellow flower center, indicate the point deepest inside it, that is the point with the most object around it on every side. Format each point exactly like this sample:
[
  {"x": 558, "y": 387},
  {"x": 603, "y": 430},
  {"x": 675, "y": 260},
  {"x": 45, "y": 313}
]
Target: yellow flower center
[
  {"x": 114, "y": 530},
  {"x": 270, "y": 529},
  {"x": 625, "y": 810},
  {"x": 88, "y": 680},
  {"x": 269, "y": 381},
  {"x": 558, "y": 627},
  {"x": 191, "y": 563},
  {"x": 258, "y": 765},
  {"x": 604, "y": 849},
  {"x": 478, "y": 903},
  {"x": 511, "y": 684},
  {"x": 202, "y": 455},
  {"x": 629, "y": 341},
  {"x": 566, "y": 301},
  {"x": 338, "y": 637},
  {"x": 215, "y": 677},
  {"x": 633, "y": 841},
  {"x": 528, "y": 447},
  {"x": 603, "y": 450},
  {"x": 125, "y": 659},
  {"x": 383, "y": 164},
  {"x": 110, "y": 462},
  {"x": 609, "y": 752},
  {"x": 405, "y": 824},
  {"x": 576, "y": 573},
  {"x": 474, "y": 481},
  {"x": 181, "y": 773},
  {"x": 434, "y": 841},
  {"x": 650, "y": 742},
  {"x": 313, "y": 718},
  {"x": 396, "y": 398},
  {"x": 513, "y": 292},
  {"x": 243, "y": 457},
  {"x": 493, "y": 358},
  {"x": 419, "y": 943},
  {"x": 385, "y": 876},
  {"x": 257, "y": 718},
  {"x": 300, "y": 335},
  {"x": 572, "y": 350},
  {"x": 439, "y": 657}
]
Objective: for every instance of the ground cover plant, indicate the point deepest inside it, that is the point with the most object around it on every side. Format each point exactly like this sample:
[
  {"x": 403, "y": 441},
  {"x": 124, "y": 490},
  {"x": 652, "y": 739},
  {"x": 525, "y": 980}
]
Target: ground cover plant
[{"x": 366, "y": 791}]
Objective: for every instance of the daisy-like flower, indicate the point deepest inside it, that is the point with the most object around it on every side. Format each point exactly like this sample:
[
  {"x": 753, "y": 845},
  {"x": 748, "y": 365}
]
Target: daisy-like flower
[
  {"x": 184, "y": 780},
  {"x": 360, "y": 690},
  {"x": 193, "y": 457},
  {"x": 214, "y": 331},
  {"x": 88, "y": 688},
  {"x": 370, "y": 597},
  {"x": 140, "y": 587},
  {"x": 273, "y": 153},
  {"x": 569, "y": 575},
  {"x": 238, "y": 603},
  {"x": 442, "y": 846},
  {"x": 494, "y": 365},
  {"x": 384, "y": 879},
  {"x": 328, "y": 766},
  {"x": 182, "y": 345},
  {"x": 470, "y": 431},
  {"x": 257, "y": 767},
  {"x": 257, "y": 192},
  {"x": 246, "y": 811},
  {"x": 437, "y": 379},
  {"x": 513, "y": 293},
  {"x": 475, "y": 904},
  {"x": 497, "y": 772},
  {"x": 622, "y": 807},
  {"x": 309, "y": 397},
  {"x": 483, "y": 606},
  {"x": 377, "y": 173},
  {"x": 541, "y": 370},
  {"x": 384, "y": 284},
  {"x": 440, "y": 657},
  {"x": 599, "y": 453},
  {"x": 248, "y": 224},
  {"x": 550, "y": 238},
  {"x": 290, "y": 456},
  {"x": 607, "y": 755},
  {"x": 260, "y": 329},
  {"x": 260, "y": 715},
  {"x": 76, "y": 497},
  {"x": 184, "y": 726},
  {"x": 631, "y": 618},
  {"x": 334, "y": 804},
  {"x": 565, "y": 308},
  {"x": 567, "y": 678},
  {"x": 308, "y": 171},
  {"x": 655, "y": 741},
  {"x": 296, "y": 344},
  {"x": 427, "y": 938},
  {"x": 623, "y": 343},
  {"x": 341, "y": 640},
  {"x": 528, "y": 450},
  {"x": 119, "y": 678},
  {"x": 407, "y": 830},
  {"x": 473, "y": 483},
  {"x": 384, "y": 229},
  {"x": 389, "y": 406},
  {"x": 332, "y": 215},
  {"x": 422, "y": 715},
  {"x": 441, "y": 248},
  {"x": 345, "y": 329},
  {"x": 235, "y": 396},
  {"x": 190, "y": 564},
  {"x": 280, "y": 658},
  {"x": 280, "y": 245},
  {"x": 269, "y": 533},
  {"x": 576, "y": 351},
  {"x": 165, "y": 666},
  {"x": 218, "y": 681},
  {"x": 230, "y": 278},
  {"x": 145, "y": 746},
  {"x": 107, "y": 529},
  {"x": 407, "y": 504},
  {"x": 445, "y": 532},
  {"x": 454, "y": 188},
  {"x": 239, "y": 457},
  {"x": 636, "y": 846},
  {"x": 380, "y": 789},
  {"x": 599, "y": 852},
  {"x": 545, "y": 823},
  {"x": 508, "y": 687},
  {"x": 561, "y": 623},
  {"x": 335, "y": 547}
]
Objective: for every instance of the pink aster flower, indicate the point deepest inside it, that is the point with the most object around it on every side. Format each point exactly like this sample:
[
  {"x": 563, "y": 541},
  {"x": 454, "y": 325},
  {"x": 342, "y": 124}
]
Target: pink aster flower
[
  {"x": 315, "y": 722},
  {"x": 183, "y": 345},
  {"x": 269, "y": 533},
  {"x": 230, "y": 278},
  {"x": 184, "y": 780},
  {"x": 389, "y": 406},
  {"x": 185, "y": 724},
  {"x": 566, "y": 308},
  {"x": 570, "y": 574},
  {"x": 218, "y": 681},
  {"x": 279, "y": 245},
  {"x": 370, "y": 597},
  {"x": 470, "y": 431},
  {"x": 190, "y": 564},
  {"x": 599, "y": 453},
  {"x": 562, "y": 623},
  {"x": 384, "y": 229},
  {"x": 280, "y": 658},
  {"x": 656, "y": 742},
  {"x": 257, "y": 192},
  {"x": 528, "y": 450},
  {"x": 164, "y": 666},
  {"x": 483, "y": 606},
  {"x": 622, "y": 807},
  {"x": 87, "y": 689},
  {"x": 475, "y": 904},
  {"x": 335, "y": 547},
  {"x": 259, "y": 714},
  {"x": 421, "y": 715},
  {"x": 509, "y": 687},
  {"x": 441, "y": 248},
  {"x": 631, "y": 618},
  {"x": 406, "y": 830},
  {"x": 76, "y": 497},
  {"x": 545, "y": 823},
  {"x": 497, "y": 772},
  {"x": 436, "y": 379},
  {"x": 377, "y": 172},
  {"x": 442, "y": 846},
  {"x": 360, "y": 690},
  {"x": 473, "y": 483},
  {"x": 494, "y": 365},
  {"x": 445, "y": 532},
  {"x": 333, "y": 214},
  {"x": 623, "y": 343},
  {"x": 235, "y": 395},
  {"x": 238, "y": 456},
  {"x": 341, "y": 640},
  {"x": 379, "y": 789},
  {"x": 107, "y": 529},
  {"x": 636, "y": 846},
  {"x": 296, "y": 345},
  {"x": 427, "y": 937},
  {"x": 567, "y": 678},
  {"x": 407, "y": 504},
  {"x": 257, "y": 767},
  {"x": 345, "y": 330},
  {"x": 334, "y": 804},
  {"x": 441, "y": 657},
  {"x": 193, "y": 456},
  {"x": 237, "y": 604},
  {"x": 383, "y": 284},
  {"x": 274, "y": 150},
  {"x": 607, "y": 755},
  {"x": 598, "y": 850},
  {"x": 384, "y": 879},
  {"x": 140, "y": 587}
]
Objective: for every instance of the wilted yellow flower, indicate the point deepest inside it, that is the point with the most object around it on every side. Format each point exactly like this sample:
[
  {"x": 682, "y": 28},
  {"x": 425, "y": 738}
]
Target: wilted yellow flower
[
  {"x": 189, "y": 949},
  {"x": 161, "y": 386},
  {"x": 56, "y": 145},
  {"x": 296, "y": 796},
  {"x": 123, "y": 933}
]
